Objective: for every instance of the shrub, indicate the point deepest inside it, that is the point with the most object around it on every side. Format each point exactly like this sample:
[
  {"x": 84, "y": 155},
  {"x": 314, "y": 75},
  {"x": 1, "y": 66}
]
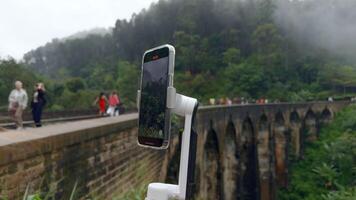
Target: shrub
[{"x": 328, "y": 171}]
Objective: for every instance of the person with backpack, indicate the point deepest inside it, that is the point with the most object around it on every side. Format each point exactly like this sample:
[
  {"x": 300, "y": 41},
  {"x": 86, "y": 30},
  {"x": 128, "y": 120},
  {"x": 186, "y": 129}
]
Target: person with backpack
[
  {"x": 17, "y": 103},
  {"x": 114, "y": 103},
  {"x": 37, "y": 104}
]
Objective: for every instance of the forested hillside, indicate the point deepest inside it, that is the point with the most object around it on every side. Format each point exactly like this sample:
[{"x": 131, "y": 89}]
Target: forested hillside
[{"x": 275, "y": 49}]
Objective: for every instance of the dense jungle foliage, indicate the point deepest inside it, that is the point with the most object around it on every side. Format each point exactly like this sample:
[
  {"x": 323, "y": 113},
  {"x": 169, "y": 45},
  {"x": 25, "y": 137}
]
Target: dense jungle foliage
[
  {"x": 225, "y": 48},
  {"x": 328, "y": 171}
]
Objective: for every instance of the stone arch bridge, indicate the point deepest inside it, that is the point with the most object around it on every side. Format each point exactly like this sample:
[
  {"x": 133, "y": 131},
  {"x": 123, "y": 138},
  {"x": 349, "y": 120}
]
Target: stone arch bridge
[
  {"x": 243, "y": 150},
  {"x": 243, "y": 153}
]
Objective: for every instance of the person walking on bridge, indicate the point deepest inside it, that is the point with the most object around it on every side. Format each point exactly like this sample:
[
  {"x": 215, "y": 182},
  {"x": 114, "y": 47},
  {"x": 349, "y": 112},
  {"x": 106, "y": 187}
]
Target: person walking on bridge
[
  {"x": 37, "y": 104},
  {"x": 101, "y": 101},
  {"x": 114, "y": 102},
  {"x": 17, "y": 103}
]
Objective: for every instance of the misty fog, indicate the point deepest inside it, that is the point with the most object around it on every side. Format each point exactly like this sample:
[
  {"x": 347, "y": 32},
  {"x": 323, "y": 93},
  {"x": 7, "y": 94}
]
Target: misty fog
[{"x": 324, "y": 24}]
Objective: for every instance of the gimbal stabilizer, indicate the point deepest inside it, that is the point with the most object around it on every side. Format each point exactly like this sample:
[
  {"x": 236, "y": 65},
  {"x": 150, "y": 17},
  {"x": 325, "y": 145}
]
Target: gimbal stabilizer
[{"x": 186, "y": 107}]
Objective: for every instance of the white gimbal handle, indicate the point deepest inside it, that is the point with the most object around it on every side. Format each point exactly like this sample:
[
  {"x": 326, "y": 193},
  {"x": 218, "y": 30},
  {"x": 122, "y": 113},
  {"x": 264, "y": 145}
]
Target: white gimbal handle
[{"x": 186, "y": 107}]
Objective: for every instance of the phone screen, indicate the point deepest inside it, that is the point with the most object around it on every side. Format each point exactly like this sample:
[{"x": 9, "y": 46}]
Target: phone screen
[{"x": 153, "y": 116}]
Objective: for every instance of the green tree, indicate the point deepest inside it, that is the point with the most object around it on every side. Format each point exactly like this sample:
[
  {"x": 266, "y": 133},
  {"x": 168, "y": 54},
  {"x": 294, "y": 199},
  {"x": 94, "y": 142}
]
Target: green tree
[
  {"x": 267, "y": 43},
  {"x": 246, "y": 78},
  {"x": 127, "y": 81},
  {"x": 75, "y": 84},
  {"x": 231, "y": 56},
  {"x": 11, "y": 71}
]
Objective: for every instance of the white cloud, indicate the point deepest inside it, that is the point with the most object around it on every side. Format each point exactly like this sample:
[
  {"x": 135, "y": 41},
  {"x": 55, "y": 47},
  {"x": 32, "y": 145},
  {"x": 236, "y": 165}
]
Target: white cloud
[{"x": 27, "y": 24}]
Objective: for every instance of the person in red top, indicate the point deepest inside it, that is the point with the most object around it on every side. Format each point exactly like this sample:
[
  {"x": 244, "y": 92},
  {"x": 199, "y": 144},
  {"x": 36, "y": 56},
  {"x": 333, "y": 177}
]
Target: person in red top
[
  {"x": 101, "y": 101},
  {"x": 114, "y": 102}
]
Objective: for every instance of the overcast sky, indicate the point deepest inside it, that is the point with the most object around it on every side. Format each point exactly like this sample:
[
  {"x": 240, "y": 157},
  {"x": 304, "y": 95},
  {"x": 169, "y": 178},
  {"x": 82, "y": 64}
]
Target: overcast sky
[{"x": 27, "y": 24}]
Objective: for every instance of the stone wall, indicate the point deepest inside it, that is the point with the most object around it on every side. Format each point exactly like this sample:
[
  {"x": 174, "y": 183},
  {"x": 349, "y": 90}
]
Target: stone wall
[{"x": 100, "y": 156}]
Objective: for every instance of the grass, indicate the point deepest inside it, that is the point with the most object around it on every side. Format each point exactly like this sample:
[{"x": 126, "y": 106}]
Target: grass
[{"x": 135, "y": 194}]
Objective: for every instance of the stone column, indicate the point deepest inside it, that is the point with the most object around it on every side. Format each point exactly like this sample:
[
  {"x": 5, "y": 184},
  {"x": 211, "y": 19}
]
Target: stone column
[
  {"x": 230, "y": 165},
  {"x": 326, "y": 117},
  {"x": 263, "y": 149},
  {"x": 311, "y": 128},
  {"x": 248, "y": 164},
  {"x": 295, "y": 130},
  {"x": 210, "y": 180},
  {"x": 281, "y": 155}
]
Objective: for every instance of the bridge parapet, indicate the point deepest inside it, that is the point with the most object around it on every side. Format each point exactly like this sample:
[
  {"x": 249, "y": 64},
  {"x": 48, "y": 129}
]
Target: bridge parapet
[
  {"x": 100, "y": 155},
  {"x": 241, "y": 149}
]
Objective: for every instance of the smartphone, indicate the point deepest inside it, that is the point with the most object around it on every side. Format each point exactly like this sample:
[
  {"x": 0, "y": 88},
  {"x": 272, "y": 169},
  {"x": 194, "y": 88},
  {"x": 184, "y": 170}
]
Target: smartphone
[{"x": 154, "y": 117}]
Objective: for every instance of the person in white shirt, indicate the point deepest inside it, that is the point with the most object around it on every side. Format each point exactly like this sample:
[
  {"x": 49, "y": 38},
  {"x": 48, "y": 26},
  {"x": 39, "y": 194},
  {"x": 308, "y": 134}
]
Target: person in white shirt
[{"x": 17, "y": 104}]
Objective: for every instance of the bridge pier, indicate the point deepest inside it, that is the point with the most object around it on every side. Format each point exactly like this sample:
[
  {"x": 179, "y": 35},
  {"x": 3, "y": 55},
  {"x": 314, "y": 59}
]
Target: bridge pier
[
  {"x": 264, "y": 159},
  {"x": 281, "y": 150},
  {"x": 230, "y": 164},
  {"x": 311, "y": 130},
  {"x": 295, "y": 131},
  {"x": 210, "y": 176},
  {"x": 249, "y": 172}
]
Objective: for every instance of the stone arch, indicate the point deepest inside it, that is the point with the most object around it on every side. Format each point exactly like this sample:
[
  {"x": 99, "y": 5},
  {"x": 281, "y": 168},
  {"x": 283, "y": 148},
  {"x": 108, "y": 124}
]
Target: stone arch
[
  {"x": 210, "y": 174},
  {"x": 248, "y": 162},
  {"x": 326, "y": 116},
  {"x": 264, "y": 158},
  {"x": 263, "y": 122},
  {"x": 294, "y": 117},
  {"x": 310, "y": 126},
  {"x": 279, "y": 119},
  {"x": 295, "y": 130},
  {"x": 230, "y": 161},
  {"x": 281, "y": 150}
]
